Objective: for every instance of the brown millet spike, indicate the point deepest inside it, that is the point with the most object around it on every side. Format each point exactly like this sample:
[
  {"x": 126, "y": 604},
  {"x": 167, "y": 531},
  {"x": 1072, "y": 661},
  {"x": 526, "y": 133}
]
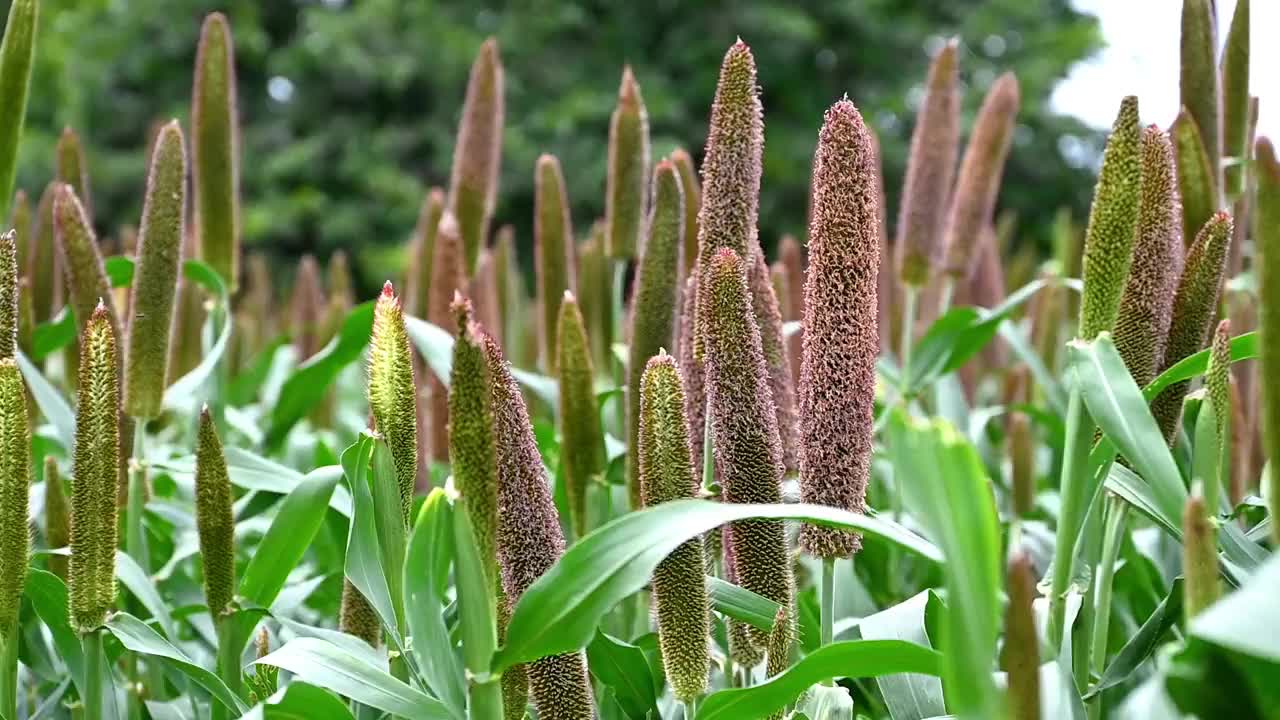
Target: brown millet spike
[
  {"x": 448, "y": 275},
  {"x": 769, "y": 319},
  {"x": 791, "y": 258},
  {"x": 695, "y": 392}
]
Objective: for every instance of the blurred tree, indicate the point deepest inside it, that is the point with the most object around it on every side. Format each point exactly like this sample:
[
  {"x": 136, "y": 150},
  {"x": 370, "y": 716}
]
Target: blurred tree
[{"x": 349, "y": 106}]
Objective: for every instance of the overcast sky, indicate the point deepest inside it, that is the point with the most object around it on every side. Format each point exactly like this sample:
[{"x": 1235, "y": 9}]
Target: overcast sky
[{"x": 1141, "y": 58}]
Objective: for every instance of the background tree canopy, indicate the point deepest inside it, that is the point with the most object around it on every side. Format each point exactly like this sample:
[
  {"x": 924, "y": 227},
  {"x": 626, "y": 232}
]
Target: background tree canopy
[{"x": 349, "y": 107}]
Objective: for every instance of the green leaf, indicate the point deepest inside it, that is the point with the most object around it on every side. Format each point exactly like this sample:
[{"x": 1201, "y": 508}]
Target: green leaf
[
  {"x": 48, "y": 595},
  {"x": 184, "y": 391},
  {"x": 52, "y": 405},
  {"x": 852, "y": 659},
  {"x": 244, "y": 388},
  {"x": 1243, "y": 347},
  {"x": 1246, "y": 621},
  {"x": 560, "y": 612},
  {"x": 945, "y": 486},
  {"x": 307, "y": 386},
  {"x": 133, "y": 577},
  {"x": 622, "y": 667},
  {"x": 299, "y": 701},
  {"x": 1124, "y": 482},
  {"x": 908, "y": 696},
  {"x": 119, "y": 270},
  {"x": 291, "y": 532},
  {"x": 137, "y": 637},
  {"x": 1143, "y": 643},
  {"x": 426, "y": 569},
  {"x": 1121, "y": 411},
  {"x": 364, "y": 565},
  {"x": 50, "y": 337},
  {"x": 254, "y": 472},
  {"x": 740, "y": 603},
  {"x": 325, "y": 665}
]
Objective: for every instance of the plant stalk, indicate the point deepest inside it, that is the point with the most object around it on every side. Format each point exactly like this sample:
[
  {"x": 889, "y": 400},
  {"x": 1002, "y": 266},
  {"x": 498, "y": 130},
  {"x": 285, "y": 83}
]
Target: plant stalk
[
  {"x": 485, "y": 699},
  {"x": 1075, "y": 501},
  {"x": 908, "y": 335},
  {"x": 1117, "y": 520},
  {"x": 828, "y": 604},
  {"x": 98, "y": 694},
  {"x": 228, "y": 664},
  {"x": 9, "y": 672}
]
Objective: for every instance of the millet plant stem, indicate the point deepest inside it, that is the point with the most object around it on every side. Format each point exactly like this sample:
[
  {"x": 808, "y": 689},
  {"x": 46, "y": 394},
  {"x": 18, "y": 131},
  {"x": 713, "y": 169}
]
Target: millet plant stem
[
  {"x": 9, "y": 672},
  {"x": 1116, "y": 522},
  {"x": 1075, "y": 501},
  {"x": 95, "y": 667},
  {"x": 135, "y": 544},
  {"x": 828, "y": 603},
  {"x": 911, "y": 294},
  {"x": 228, "y": 661}
]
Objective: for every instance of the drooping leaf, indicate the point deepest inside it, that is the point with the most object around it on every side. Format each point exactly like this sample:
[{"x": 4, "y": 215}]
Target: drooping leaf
[{"x": 137, "y": 637}]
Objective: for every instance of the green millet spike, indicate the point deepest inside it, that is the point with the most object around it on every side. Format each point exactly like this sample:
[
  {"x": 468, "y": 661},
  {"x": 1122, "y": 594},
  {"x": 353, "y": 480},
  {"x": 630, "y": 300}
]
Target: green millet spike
[
  {"x": 1235, "y": 102},
  {"x": 71, "y": 167},
  {"x": 17, "y": 53},
  {"x": 692, "y": 191},
  {"x": 15, "y": 470},
  {"x": 473, "y": 182},
  {"x": 628, "y": 176},
  {"x": 1267, "y": 268},
  {"x": 57, "y": 516},
  {"x": 215, "y": 150},
  {"x": 582, "y": 444},
  {"x": 214, "y": 519},
  {"x": 393, "y": 398},
  {"x": 553, "y": 248},
  {"x": 1198, "y": 83},
  {"x": 1196, "y": 190}
]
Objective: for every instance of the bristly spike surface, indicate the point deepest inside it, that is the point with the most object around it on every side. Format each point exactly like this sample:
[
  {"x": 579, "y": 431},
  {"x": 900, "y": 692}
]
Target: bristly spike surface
[
  {"x": 87, "y": 282},
  {"x": 764, "y": 303},
  {"x": 628, "y": 178},
  {"x": 15, "y": 469},
  {"x": 1198, "y": 86},
  {"x": 553, "y": 248},
  {"x": 837, "y": 377},
  {"x": 1195, "y": 176},
  {"x": 582, "y": 445},
  {"x": 8, "y": 294},
  {"x": 695, "y": 393},
  {"x": 214, "y": 518},
  {"x": 1113, "y": 217},
  {"x": 692, "y": 204},
  {"x": 392, "y": 397},
  {"x": 155, "y": 285},
  {"x": 473, "y": 183},
  {"x": 72, "y": 168},
  {"x": 215, "y": 150}
]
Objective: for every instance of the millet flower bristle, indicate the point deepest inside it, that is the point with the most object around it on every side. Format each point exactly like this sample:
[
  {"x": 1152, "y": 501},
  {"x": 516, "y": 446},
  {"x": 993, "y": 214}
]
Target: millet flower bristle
[
  {"x": 1195, "y": 176},
  {"x": 356, "y": 617},
  {"x": 582, "y": 443},
  {"x": 70, "y": 167},
  {"x": 57, "y": 516},
  {"x": 1194, "y": 305},
  {"x": 931, "y": 164},
  {"x": 666, "y": 474},
  {"x": 1267, "y": 232},
  {"x": 159, "y": 258},
  {"x": 978, "y": 183},
  {"x": 731, "y": 170},
  {"x": 15, "y": 468},
  {"x": 1113, "y": 217},
  {"x": 692, "y": 204},
  {"x": 747, "y": 450},
  {"x": 764, "y": 303},
  {"x": 1146, "y": 307},
  {"x": 86, "y": 276},
  {"x": 392, "y": 398},
  {"x": 422, "y": 248},
  {"x": 529, "y": 538},
  {"x": 837, "y": 378},
  {"x": 471, "y": 442},
  {"x": 1235, "y": 99},
  {"x": 695, "y": 392},
  {"x": 8, "y": 294},
  {"x": 214, "y": 519},
  {"x": 656, "y": 299},
  {"x": 553, "y": 247},
  {"x": 473, "y": 183},
  {"x": 448, "y": 276},
  {"x": 215, "y": 150},
  {"x": 628, "y": 177},
  {"x": 1198, "y": 85},
  {"x": 91, "y": 577}
]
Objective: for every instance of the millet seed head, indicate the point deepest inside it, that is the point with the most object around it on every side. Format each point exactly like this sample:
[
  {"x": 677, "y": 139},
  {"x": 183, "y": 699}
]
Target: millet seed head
[
  {"x": 214, "y": 519},
  {"x": 392, "y": 396}
]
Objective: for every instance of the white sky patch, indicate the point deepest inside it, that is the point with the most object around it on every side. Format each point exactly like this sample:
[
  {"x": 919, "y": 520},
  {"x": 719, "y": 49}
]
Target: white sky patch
[{"x": 1141, "y": 58}]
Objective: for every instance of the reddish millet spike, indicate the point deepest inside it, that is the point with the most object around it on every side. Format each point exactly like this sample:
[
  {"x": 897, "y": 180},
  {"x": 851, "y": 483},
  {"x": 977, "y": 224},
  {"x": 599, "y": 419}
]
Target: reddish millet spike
[
  {"x": 42, "y": 263},
  {"x": 626, "y": 194},
  {"x": 553, "y": 248},
  {"x": 837, "y": 378},
  {"x": 931, "y": 163},
  {"x": 393, "y": 400},
  {"x": 422, "y": 249},
  {"x": 731, "y": 169},
  {"x": 1022, "y": 653},
  {"x": 1194, "y": 305},
  {"x": 484, "y": 289},
  {"x": 744, "y": 425},
  {"x": 306, "y": 305},
  {"x": 473, "y": 183},
  {"x": 8, "y": 294},
  {"x": 595, "y": 289},
  {"x": 1199, "y": 557},
  {"x": 764, "y": 303},
  {"x": 692, "y": 205},
  {"x": 582, "y": 444},
  {"x": 1021, "y": 442},
  {"x": 356, "y": 617},
  {"x": 695, "y": 394},
  {"x": 743, "y": 648},
  {"x": 186, "y": 350},
  {"x": 978, "y": 184},
  {"x": 1142, "y": 322},
  {"x": 215, "y": 150},
  {"x": 507, "y": 284},
  {"x": 791, "y": 257},
  {"x": 448, "y": 276},
  {"x": 529, "y": 537}
]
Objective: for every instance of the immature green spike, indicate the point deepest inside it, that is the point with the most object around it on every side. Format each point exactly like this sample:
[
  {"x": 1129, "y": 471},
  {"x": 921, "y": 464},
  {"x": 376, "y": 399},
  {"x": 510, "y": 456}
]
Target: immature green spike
[
  {"x": 1195, "y": 176},
  {"x": 506, "y": 276},
  {"x": 978, "y": 183},
  {"x": 656, "y": 299},
  {"x": 8, "y": 294},
  {"x": 1022, "y": 463},
  {"x": 91, "y": 576},
  {"x": 529, "y": 538},
  {"x": 764, "y": 303},
  {"x": 71, "y": 167},
  {"x": 1146, "y": 307},
  {"x": 667, "y": 473},
  {"x": 306, "y": 308},
  {"x": 473, "y": 182},
  {"x": 392, "y": 398},
  {"x": 731, "y": 171},
  {"x": 1113, "y": 218},
  {"x": 1198, "y": 84},
  {"x": 57, "y": 516},
  {"x": 931, "y": 163},
  {"x": 356, "y": 617},
  {"x": 1267, "y": 234},
  {"x": 692, "y": 204},
  {"x": 214, "y": 519},
  {"x": 258, "y": 302},
  {"x": 628, "y": 178},
  {"x": 1217, "y": 385},
  {"x": 15, "y": 469},
  {"x": 595, "y": 285},
  {"x": 156, "y": 279},
  {"x": 448, "y": 276},
  {"x": 553, "y": 248},
  {"x": 1199, "y": 558},
  {"x": 1235, "y": 102},
  {"x": 187, "y": 349},
  {"x": 1194, "y": 306},
  {"x": 1022, "y": 647},
  {"x": 422, "y": 250},
  {"x": 695, "y": 393},
  {"x": 582, "y": 442},
  {"x": 87, "y": 282},
  {"x": 17, "y": 51},
  {"x": 745, "y": 430},
  {"x": 20, "y": 221},
  {"x": 42, "y": 263},
  {"x": 471, "y": 443},
  {"x": 837, "y": 378},
  {"x": 485, "y": 292},
  {"x": 215, "y": 150}
]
